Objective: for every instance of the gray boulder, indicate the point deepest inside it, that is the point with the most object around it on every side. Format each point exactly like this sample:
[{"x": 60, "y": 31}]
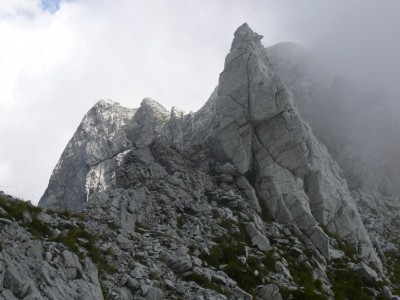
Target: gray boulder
[
  {"x": 366, "y": 272},
  {"x": 269, "y": 292}
]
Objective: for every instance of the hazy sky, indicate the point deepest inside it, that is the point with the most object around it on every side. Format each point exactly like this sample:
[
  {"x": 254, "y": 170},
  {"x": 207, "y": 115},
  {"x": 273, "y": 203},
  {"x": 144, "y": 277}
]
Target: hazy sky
[{"x": 57, "y": 58}]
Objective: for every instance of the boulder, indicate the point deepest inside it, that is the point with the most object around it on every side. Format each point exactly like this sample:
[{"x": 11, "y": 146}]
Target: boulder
[
  {"x": 269, "y": 292},
  {"x": 366, "y": 272},
  {"x": 258, "y": 239}
]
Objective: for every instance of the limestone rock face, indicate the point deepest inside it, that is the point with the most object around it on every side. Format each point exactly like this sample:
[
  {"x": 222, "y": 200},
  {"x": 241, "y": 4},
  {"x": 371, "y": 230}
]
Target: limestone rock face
[
  {"x": 89, "y": 155},
  {"x": 262, "y": 133},
  {"x": 249, "y": 134}
]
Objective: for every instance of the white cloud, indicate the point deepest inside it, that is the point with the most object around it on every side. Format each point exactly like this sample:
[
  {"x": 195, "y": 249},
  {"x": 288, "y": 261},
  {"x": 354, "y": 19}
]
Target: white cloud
[{"x": 14, "y": 8}]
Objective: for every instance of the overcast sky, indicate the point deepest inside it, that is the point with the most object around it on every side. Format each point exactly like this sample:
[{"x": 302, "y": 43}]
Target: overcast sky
[{"x": 57, "y": 58}]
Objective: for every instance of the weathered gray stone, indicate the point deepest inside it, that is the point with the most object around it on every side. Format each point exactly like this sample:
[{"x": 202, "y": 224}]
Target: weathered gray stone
[
  {"x": 180, "y": 288},
  {"x": 139, "y": 271},
  {"x": 45, "y": 218},
  {"x": 14, "y": 282},
  {"x": 281, "y": 268},
  {"x": 71, "y": 260},
  {"x": 154, "y": 294},
  {"x": 169, "y": 284},
  {"x": 390, "y": 247},
  {"x": 257, "y": 238},
  {"x": 366, "y": 272},
  {"x": 8, "y": 295},
  {"x": 336, "y": 254},
  {"x": 387, "y": 293},
  {"x": 177, "y": 264},
  {"x": 5, "y": 221},
  {"x": 133, "y": 283},
  {"x": 269, "y": 292}
]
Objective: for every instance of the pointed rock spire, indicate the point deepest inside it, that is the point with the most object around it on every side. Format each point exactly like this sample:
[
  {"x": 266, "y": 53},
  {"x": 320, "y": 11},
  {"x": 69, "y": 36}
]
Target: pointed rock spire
[
  {"x": 245, "y": 35},
  {"x": 262, "y": 133}
]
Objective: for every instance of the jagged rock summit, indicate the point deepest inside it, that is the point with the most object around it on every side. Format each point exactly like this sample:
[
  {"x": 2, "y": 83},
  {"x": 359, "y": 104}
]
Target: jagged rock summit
[
  {"x": 251, "y": 122},
  {"x": 227, "y": 202}
]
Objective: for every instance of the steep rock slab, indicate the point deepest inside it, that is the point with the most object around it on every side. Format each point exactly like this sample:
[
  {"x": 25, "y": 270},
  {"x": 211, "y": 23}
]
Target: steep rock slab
[{"x": 261, "y": 132}]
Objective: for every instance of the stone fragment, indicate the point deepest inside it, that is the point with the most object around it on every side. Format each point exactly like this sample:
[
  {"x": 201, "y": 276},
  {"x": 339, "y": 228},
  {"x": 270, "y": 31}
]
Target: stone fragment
[
  {"x": 5, "y": 221},
  {"x": 336, "y": 254},
  {"x": 257, "y": 238},
  {"x": 14, "y": 282},
  {"x": 154, "y": 294},
  {"x": 177, "y": 264},
  {"x": 366, "y": 272},
  {"x": 8, "y": 295},
  {"x": 269, "y": 292},
  {"x": 282, "y": 270},
  {"x": 169, "y": 284},
  {"x": 139, "y": 271},
  {"x": 132, "y": 283}
]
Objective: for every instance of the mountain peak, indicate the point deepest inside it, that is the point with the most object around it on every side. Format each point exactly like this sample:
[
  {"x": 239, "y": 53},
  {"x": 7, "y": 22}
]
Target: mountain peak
[
  {"x": 246, "y": 155},
  {"x": 242, "y": 29},
  {"x": 149, "y": 101},
  {"x": 244, "y": 35},
  {"x": 105, "y": 102},
  {"x": 150, "y": 107}
]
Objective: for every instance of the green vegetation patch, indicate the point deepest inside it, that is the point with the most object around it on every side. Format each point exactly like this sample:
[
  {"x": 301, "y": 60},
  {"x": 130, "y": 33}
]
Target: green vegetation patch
[
  {"x": 70, "y": 239},
  {"x": 347, "y": 284},
  {"x": 16, "y": 208},
  {"x": 38, "y": 228},
  {"x": 393, "y": 265},
  {"x": 181, "y": 221},
  {"x": 302, "y": 276},
  {"x": 227, "y": 253},
  {"x": 227, "y": 224},
  {"x": 209, "y": 196}
]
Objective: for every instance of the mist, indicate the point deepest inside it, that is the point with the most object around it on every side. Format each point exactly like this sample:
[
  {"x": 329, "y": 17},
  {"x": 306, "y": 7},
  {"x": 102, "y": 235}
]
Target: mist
[{"x": 57, "y": 60}]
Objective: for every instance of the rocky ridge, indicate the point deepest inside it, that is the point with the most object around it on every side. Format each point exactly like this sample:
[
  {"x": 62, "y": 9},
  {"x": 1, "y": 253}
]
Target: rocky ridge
[
  {"x": 236, "y": 201},
  {"x": 251, "y": 121}
]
